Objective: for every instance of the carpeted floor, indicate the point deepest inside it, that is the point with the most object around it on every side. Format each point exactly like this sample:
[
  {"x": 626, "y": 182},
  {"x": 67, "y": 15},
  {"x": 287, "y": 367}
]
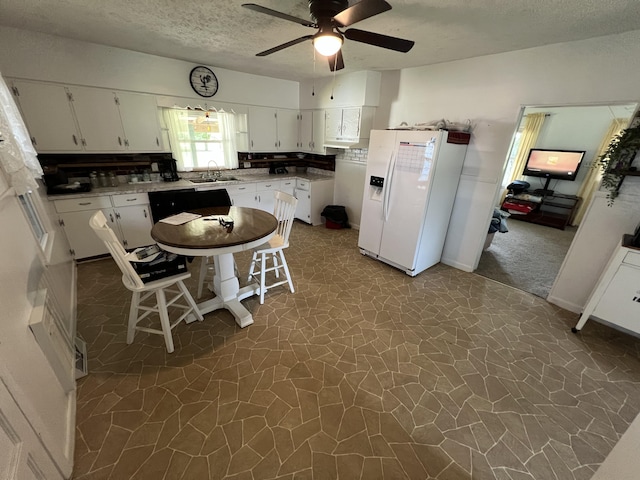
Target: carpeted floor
[{"x": 527, "y": 257}]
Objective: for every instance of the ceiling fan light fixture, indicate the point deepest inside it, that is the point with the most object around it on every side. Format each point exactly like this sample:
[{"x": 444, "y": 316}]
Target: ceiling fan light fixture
[{"x": 327, "y": 43}]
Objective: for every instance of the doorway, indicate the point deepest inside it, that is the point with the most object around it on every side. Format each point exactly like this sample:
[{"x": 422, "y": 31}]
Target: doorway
[{"x": 529, "y": 255}]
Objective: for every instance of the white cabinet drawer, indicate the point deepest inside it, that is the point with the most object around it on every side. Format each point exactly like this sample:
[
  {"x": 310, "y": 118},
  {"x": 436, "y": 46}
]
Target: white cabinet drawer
[
  {"x": 130, "y": 199},
  {"x": 271, "y": 185},
  {"x": 287, "y": 185},
  {"x": 302, "y": 185},
  {"x": 632, "y": 258},
  {"x": 79, "y": 204},
  {"x": 241, "y": 188}
]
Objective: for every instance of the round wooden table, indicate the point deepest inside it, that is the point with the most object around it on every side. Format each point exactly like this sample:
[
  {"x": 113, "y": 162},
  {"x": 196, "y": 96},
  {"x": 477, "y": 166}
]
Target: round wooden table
[{"x": 206, "y": 237}]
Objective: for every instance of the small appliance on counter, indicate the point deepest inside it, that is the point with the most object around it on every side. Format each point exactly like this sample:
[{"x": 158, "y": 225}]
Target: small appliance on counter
[
  {"x": 57, "y": 183},
  {"x": 168, "y": 170},
  {"x": 278, "y": 170}
]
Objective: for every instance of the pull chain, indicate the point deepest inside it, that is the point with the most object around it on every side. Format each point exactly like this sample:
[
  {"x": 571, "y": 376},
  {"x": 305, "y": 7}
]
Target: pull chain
[
  {"x": 335, "y": 64},
  {"x": 313, "y": 85}
]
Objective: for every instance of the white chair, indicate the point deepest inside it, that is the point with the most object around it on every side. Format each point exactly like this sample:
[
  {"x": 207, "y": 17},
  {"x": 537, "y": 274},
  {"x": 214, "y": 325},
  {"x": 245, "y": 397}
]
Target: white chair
[
  {"x": 142, "y": 291},
  {"x": 284, "y": 210}
]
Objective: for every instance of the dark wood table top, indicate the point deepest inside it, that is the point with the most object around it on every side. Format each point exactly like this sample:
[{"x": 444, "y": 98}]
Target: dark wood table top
[{"x": 249, "y": 225}]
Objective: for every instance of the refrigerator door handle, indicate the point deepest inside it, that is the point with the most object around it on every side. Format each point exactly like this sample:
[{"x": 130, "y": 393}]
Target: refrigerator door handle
[{"x": 387, "y": 187}]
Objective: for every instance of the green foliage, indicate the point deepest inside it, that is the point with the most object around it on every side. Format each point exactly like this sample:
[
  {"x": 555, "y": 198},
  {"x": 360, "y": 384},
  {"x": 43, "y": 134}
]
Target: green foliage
[{"x": 617, "y": 159}]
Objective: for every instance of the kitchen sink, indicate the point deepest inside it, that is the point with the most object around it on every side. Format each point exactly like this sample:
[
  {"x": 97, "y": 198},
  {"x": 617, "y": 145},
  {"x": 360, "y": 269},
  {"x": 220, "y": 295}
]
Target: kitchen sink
[{"x": 222, "y": 178}]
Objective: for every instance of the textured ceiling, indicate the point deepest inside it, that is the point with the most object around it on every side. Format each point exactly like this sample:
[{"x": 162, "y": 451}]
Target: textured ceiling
[{"x": 223, "y": 34}]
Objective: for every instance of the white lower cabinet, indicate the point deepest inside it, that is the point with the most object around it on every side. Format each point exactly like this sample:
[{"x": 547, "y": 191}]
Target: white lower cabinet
[
  {"x": 243, "y": 195},
  {"x": 134, "y": 219},
  {"x": 288, "y": 186},
  {"x": 312, "y": 197},
  {"x": 616, "y": 297},
  {"x": 265, "y": 194},
  {"x": 128, "y": 216}
]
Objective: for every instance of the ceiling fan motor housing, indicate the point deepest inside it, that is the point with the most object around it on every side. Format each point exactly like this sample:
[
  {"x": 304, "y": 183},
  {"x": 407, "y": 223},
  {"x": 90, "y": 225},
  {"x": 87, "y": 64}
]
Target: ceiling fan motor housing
[{"x": 326, "y": 9}]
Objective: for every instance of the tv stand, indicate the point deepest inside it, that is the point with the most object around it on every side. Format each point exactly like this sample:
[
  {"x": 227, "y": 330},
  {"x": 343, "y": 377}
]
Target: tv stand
[{"x": 555, "y": 210}]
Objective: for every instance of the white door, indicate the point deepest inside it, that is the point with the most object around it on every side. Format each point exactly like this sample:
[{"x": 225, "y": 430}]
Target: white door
[
  {"x": 263, "y": 134},
  {"x": 378, "y": 165},
  {"x": 99, "y": 119},
  {"x": 139, "y": 115},
  {"x": 135, "y": 225},
  {"x": 409, "y": 185},
  {"x": 317, "y": 136},
  {"x": 306, "y": 130},
  {"x": 48, "y": 115},
  {"x": 333, "y": 123},
  {"x": 351, "y": 123},
  {"x": 288, "y": 130},
  {"x": 22, "y": 455},
  {"x": 82, "y": 239}
]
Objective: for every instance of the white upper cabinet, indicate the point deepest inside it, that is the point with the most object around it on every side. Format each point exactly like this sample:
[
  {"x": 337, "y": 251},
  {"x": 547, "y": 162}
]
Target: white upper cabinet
[
  {"x": 71, "y": 119},
  {"x": 48, "y": 116},
  {"x": 273, "y": 129},
  {"x": 263, "y": 133},
  {"x": 99, "y": 119},
  {"x": 139, "y": 115},
  {"x": 287, "y": 128},
  {"x": 312, "y": 131},
  {"x": 348, "y": 124}
]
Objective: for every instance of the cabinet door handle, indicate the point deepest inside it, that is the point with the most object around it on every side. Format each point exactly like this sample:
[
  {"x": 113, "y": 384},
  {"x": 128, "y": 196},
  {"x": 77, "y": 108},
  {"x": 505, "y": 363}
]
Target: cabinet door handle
[
  {"x": 126, "y": 142},
  {"x": 119, "y": 141},
  {"x": 111, "y": 217},
  {"x": 145, "y": 213},
  {"x": 132, "y": 199},
  {"x": 157, "y": 141},
  {"x": 118, "y": 215},
  {"x": 75, "y": 140},
  {"x": 33, "y": 141},
  {"x": 84, "y": 203},
  {"x": 267, "y": 186},
  {"x": 251, "y": 143}
]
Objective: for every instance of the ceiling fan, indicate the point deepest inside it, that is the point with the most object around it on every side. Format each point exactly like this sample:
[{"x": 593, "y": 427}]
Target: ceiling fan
[{"x": 329, "y": 17}]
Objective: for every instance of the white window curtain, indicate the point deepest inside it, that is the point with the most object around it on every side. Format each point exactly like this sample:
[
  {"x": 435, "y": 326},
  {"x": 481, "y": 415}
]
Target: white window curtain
[
  {"x": 202, "y": 139},
  {"x": 18, "y": 159}
]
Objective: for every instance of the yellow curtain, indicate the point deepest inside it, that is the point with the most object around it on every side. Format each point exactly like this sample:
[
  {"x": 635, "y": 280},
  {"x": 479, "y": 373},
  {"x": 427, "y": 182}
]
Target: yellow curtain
[
  {"x": 594, "y": 175},
  {"x": 532, "y": 126}
]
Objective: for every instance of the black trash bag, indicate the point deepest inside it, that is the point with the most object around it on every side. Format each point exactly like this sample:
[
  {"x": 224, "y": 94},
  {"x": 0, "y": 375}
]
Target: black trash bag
[
  {"x": 518, "y": 186},
  {"x": 336, "y": 216}
]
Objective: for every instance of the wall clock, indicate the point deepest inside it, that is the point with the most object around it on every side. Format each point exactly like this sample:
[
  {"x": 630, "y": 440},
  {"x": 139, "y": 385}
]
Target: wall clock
[{"x": 203, "y": 81}]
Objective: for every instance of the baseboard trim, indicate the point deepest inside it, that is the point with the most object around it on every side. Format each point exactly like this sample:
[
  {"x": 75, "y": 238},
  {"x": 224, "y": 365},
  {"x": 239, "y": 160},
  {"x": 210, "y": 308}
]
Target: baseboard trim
[
  {"x": 458, "y": 265},
  {"x": 572, "y": 307}
]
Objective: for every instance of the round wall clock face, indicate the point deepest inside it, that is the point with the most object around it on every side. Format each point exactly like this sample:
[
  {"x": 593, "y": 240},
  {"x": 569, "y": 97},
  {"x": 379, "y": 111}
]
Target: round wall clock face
[{"x": 203, "y": 81}]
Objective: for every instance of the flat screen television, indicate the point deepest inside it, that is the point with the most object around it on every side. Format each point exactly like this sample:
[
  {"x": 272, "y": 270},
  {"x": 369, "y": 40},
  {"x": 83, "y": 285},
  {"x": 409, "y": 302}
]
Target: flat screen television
[{"x": 556, "y": 164}]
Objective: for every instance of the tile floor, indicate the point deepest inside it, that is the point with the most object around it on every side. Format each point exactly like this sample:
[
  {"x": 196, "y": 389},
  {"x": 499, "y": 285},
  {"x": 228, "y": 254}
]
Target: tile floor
[{"x": 363, "y": 373}]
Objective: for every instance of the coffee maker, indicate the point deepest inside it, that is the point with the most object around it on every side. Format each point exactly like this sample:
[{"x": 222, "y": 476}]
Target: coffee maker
[{"x": 168, "y": 170}]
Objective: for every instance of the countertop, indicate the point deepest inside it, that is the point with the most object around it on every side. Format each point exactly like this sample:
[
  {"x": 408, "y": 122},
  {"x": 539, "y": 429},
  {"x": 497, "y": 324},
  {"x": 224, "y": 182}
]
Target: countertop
[{"x": 144, "y": 187}]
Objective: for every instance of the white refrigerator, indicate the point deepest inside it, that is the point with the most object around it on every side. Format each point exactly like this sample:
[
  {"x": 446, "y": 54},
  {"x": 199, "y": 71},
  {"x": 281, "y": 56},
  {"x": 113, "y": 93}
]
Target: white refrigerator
[{"x": 410, "y": 187}]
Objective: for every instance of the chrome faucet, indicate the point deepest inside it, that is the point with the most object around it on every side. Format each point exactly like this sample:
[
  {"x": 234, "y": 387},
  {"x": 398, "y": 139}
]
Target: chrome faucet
[{"x": 216, "y": 173}]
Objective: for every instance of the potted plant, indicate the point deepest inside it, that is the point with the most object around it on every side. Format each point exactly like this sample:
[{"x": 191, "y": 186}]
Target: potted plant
[{"x": 616, "y": 161}]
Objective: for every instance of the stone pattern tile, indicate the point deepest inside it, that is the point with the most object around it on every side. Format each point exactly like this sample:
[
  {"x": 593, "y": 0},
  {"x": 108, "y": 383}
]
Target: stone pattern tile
[{"x": 363, "y": 373}]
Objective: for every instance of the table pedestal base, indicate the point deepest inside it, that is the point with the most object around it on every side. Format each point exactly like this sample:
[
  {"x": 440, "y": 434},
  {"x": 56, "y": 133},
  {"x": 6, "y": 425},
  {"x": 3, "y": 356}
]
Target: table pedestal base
[{"x": 228, "y": 292}]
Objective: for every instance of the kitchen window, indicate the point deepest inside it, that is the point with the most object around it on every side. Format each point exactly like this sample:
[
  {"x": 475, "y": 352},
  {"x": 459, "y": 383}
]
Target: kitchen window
[{"x": 202, "y": 139}]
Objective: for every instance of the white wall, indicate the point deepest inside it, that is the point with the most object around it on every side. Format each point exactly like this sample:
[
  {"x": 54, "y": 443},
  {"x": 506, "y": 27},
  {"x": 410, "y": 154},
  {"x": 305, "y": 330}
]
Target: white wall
[
  {"x": 490, "y": 91},
  {"x": 35, "y": 56}
]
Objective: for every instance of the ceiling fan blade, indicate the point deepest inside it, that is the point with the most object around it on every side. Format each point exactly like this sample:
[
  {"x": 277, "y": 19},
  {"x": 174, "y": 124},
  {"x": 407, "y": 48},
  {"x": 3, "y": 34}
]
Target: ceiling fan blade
[
  {"x": 336, "y": 62},
  {"x": 275, "y": 13},
  {"x": 360, "y": 11},
  {"x": 379, "y": 40},
  {"x": 283, "y": 46}
]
